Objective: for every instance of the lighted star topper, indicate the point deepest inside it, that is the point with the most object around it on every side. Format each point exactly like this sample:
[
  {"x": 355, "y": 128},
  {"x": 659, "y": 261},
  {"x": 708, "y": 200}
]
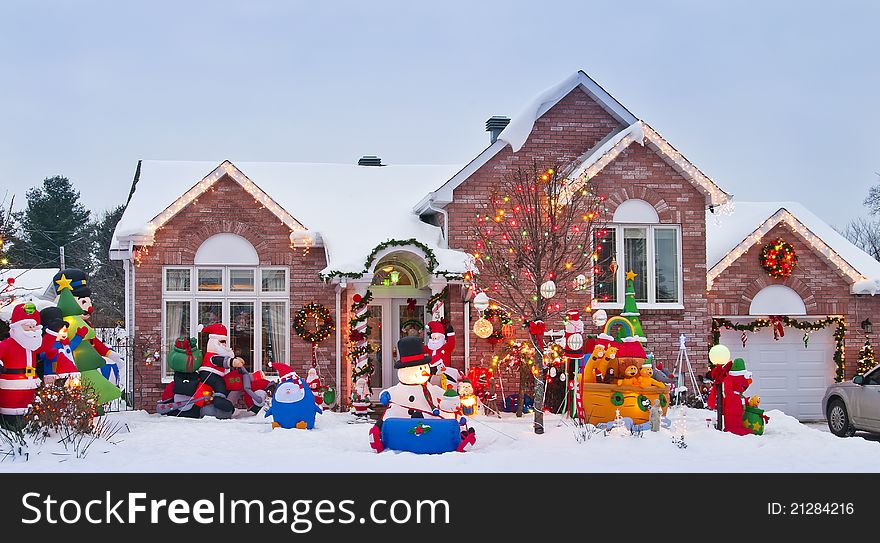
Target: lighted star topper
[
  {"x": 631, "y": 275},
  {"x": 64, "y": 283}
]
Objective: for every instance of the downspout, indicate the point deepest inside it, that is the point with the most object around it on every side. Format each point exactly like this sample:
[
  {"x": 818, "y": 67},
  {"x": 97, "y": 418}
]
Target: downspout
[
  {"x": 467, "y": 335},
  {"x": 431, "y": 207},
  {"x": 338, "y": 345}
]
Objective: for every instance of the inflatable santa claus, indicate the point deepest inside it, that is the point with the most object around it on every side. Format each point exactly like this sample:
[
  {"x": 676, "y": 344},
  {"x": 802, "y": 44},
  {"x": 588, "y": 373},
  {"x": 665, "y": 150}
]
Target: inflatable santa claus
[
  {"x": 18, "y": 357},
  {"x": 441, "y": 343},
  {"x": 219, "y": 359}
]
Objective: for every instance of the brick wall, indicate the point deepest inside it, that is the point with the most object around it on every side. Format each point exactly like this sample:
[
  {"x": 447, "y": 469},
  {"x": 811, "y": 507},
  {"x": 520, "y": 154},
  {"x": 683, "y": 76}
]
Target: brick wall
[
  {"x": 226, "y": 208},
  {"x": 569, "y": 129},
  {"x": 824, "y": 290}
]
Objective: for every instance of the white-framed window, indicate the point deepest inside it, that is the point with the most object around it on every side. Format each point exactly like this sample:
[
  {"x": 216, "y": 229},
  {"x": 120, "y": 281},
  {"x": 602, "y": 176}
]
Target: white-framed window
[
  {"x": 652, "y": 252},
  {"x": 252, "y": 302}
]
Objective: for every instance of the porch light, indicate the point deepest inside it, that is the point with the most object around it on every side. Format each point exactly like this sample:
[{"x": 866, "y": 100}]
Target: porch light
[
  {"x": 867, "y": 326},
  {"x": 395, "y": 277}
]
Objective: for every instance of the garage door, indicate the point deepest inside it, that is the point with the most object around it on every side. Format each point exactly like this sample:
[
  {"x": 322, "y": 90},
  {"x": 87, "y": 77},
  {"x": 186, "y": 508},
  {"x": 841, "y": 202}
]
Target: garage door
[{"x": 787, "y": 376}]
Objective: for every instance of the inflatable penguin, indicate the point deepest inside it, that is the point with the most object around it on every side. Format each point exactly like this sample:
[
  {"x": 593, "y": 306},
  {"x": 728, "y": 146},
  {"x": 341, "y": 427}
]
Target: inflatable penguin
[{"x": 293, "y": 403}]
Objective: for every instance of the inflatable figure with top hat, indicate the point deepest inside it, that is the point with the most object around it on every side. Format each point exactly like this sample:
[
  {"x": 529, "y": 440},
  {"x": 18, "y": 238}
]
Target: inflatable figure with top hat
[
  {"x": 77, "y": 282},
  {"x": 59, "y": 361},
  {"x": 413, "y": 420}
]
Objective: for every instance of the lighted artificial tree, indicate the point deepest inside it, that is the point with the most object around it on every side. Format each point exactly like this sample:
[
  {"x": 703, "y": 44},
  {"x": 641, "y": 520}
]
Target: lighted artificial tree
[
  {"x": 867, "y": 360},
  {"x": 537, "y": 231},
  {"x": 630, "y": 309}
]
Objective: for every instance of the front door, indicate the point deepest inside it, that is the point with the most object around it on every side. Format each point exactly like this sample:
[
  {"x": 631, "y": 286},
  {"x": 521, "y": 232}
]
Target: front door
[{"x": 390, "y": 320}]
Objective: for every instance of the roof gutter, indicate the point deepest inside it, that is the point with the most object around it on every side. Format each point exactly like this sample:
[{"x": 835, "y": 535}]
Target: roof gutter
[{"x": 445, "y": 230}]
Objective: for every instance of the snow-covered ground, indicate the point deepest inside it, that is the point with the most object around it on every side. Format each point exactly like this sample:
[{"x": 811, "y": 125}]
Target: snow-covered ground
[{"x": 162, "y": 444}]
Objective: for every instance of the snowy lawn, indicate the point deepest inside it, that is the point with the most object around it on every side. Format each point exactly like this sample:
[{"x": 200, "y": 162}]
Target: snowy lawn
[{"x": 163, "y": 444}]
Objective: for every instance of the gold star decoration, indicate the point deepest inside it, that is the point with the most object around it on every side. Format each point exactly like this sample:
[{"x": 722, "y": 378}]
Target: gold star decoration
[
  {"x": 63, "y": 283},
  {"x": 630, "y": 275}
]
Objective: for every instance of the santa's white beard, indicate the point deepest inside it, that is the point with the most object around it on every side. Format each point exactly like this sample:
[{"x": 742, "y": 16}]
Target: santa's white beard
[
  {"x": 214, "y": 346},
  {"x": 435, "y": 344},
  {"x": 29, "y": 340}
]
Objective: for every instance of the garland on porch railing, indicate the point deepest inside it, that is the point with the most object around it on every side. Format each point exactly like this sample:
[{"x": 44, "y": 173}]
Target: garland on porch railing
[
  {"x": 806, "y": 326},
  {"x": 430, "y": 260}
]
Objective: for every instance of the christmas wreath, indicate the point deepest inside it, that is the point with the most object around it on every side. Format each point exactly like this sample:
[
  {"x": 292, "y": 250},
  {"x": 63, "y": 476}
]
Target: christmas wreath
[
  {"x": 778, "y": 258},
  {"x": 617, "y": 398},
  {"x": 503, "y": 318},
  {"x": 323, "y": 319}
]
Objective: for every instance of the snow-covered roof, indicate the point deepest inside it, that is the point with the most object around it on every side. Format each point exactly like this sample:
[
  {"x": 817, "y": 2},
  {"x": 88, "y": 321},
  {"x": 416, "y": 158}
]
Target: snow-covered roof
[
  {"x": 631, "y": 129},
  {"x": 30, "y": 286},
  {"x": 729, "y": 236},
  {"x": 350, "y": 208},
  {"x": 517, "y": 132}
]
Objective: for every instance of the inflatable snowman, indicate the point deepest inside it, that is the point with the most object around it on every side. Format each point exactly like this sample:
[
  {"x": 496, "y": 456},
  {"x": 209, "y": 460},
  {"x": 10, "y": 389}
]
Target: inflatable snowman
[{"x": 412, "y": 420}]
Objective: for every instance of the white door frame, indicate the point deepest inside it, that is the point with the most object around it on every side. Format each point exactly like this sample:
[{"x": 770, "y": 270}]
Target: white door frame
[{"x": 390, "y": 304}]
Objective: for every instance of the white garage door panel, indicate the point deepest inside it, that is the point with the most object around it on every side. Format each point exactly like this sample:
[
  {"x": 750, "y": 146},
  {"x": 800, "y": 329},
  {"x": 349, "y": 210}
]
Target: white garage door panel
[{"x": 787, "y": 376}]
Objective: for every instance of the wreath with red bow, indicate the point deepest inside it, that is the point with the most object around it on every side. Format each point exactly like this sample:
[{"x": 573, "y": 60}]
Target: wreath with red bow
[{"x": 778, "y": 258}]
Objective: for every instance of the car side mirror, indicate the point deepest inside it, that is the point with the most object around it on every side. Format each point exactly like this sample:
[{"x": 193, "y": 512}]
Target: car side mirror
[{"x": 859, "y": 379}]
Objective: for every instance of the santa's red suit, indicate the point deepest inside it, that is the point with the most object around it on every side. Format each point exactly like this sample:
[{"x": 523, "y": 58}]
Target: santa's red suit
[
  {"x": 18, "y": 355},
  {"x": 440, "y": 348}
]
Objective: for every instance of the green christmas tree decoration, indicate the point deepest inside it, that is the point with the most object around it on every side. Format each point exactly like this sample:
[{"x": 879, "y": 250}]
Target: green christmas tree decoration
[
  {"x": 867, "y": 360},
  {"x": 86, "y": 358},
  {"x": 630, "y": 309}
]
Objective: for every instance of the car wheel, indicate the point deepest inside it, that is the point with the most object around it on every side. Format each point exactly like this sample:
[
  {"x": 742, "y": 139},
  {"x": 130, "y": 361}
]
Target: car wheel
[{"x": 838, "y": 419}]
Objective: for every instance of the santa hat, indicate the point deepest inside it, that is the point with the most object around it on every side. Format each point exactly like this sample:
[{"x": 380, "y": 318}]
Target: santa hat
[
  {"x": 215, "y": 331},
  {"x": 436, "y": 327},
  {"x": 25, "y": 313},
  {"x": 574, "y": 315},
  {"x": 284, "y": 371}
]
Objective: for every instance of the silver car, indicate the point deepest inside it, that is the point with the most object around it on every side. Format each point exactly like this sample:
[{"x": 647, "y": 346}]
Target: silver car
[{"x": 854, "y": 405}]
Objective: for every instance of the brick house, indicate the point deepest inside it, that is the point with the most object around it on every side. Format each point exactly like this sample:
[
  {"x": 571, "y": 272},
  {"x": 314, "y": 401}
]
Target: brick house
[{"x": 249, "y": 244}]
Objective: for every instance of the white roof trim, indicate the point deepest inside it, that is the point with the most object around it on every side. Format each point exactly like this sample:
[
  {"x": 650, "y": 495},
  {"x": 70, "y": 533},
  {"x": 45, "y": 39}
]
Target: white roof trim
[
  {"x": 526, "y": 119},
  {"x": 595, "y": 160},
  {"x": 225, "y": 168},
  {"x": 784, "y": 216}
]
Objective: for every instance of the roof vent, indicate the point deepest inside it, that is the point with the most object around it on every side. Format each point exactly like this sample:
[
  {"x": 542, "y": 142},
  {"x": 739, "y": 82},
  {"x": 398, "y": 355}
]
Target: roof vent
[
  {"x": 495, "y": 125},
  {"x": 370, "y": 160}
]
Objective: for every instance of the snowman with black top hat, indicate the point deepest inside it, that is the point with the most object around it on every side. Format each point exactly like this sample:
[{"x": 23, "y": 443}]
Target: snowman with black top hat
[{"x": 413, "y": 408}]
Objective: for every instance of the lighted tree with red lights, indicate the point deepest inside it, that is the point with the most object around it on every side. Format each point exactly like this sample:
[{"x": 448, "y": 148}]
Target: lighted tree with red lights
[{"x": 538, "y": 227}]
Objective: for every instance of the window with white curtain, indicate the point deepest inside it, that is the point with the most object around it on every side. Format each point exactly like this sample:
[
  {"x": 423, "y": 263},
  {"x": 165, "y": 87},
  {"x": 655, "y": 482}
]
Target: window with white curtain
[
  {"x": 253, "y": 303},
  {"x": 652, "y": 252}
]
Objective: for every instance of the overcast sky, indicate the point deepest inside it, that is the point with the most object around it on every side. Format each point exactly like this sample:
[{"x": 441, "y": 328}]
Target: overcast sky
[{"x": 774, "y": 102}]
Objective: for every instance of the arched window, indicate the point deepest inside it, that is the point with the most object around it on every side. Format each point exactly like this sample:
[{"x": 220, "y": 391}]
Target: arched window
[
  {"x": 227, "y": 285},
  {"x": 636, "y": 241},
  {"x": 777, "y": 300}
]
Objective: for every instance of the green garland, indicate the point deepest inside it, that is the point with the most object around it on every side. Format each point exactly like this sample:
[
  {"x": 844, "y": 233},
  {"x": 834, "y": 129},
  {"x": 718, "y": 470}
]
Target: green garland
[
  {"x": 430, "y": 260},
  {"x": 808, "y": 326},
  {"x": 320, "y": 313},
  {"x": 432, "y": 301}
]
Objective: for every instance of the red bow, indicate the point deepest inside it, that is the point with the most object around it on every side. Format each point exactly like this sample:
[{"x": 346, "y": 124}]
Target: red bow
[
  {"x": 720, "y": 372},
  {"x": 411, "y": 304},
  {"x": 537, "y": 329},
  {"x": 778, "y": 331}
]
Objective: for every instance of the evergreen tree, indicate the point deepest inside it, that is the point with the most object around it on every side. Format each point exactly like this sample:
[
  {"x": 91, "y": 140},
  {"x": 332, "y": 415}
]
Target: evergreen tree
[
  {"x": 54, "y": 217},
  {"x": 867, "y": 360},
  {"x": 7, "y": 232},
  {"x": 107, "y": 279},
  {"x": 630, "y": 309},
  {"x": 86, "y": 358}
]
